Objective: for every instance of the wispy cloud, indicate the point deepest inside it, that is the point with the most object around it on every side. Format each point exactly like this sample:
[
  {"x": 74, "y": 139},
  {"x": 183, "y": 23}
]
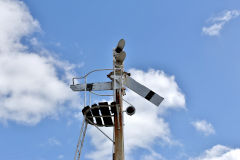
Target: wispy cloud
[
  {"x": 219, "y": 152},
  {"x": 153, "y": 156},
  {"x": 203, "y": 126},
  {"x": 54, "y": 142},
  {"x": 218, "y": 22},
  {"x": 60, "y": 156}
]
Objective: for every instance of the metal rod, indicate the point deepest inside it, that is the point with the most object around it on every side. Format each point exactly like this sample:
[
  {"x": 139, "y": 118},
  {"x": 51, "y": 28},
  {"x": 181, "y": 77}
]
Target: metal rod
[
  {"x": 88, "y": 74},
  {"x": 101, "y": 94},
  {"x": 104, "y": 133},
  {"x": 85, "y": 92},
  {"x": 127, "y": 102},
  {"x": 89, "y": 98}
]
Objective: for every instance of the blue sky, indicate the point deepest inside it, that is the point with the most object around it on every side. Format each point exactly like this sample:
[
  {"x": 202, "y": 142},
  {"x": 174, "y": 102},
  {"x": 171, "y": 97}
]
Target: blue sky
[{"x": 187, "y": 51}]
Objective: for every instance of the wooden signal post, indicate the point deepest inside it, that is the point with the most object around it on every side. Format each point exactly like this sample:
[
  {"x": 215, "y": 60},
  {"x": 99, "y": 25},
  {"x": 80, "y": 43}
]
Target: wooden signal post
[
  {"x": 118, "y": 129},
  {"x": 118, "y": 58}
]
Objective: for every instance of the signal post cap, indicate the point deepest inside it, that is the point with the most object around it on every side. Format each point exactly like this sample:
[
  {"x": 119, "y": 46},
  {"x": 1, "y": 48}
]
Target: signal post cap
[{"x": 120, "y": 45}]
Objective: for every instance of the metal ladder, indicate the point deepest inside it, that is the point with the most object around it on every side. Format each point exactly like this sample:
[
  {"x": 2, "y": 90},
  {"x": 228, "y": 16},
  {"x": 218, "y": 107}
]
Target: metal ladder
[{"x": 81, "y": 140}]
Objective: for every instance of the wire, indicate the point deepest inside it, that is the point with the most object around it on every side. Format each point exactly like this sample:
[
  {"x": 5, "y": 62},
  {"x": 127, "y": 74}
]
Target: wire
[{"x": 127, "y": 102}]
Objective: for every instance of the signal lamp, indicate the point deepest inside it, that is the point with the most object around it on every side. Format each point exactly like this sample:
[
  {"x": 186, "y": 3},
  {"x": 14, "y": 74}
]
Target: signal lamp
[{"x": 130, "y": 110}]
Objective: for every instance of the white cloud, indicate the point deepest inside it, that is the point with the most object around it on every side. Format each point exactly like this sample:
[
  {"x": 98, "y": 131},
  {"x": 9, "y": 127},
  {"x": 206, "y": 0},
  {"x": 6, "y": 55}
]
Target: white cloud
[
  {"x": 146, "y": 127},
  {"x": 219, "y": 152},
  {"x": 219, "y": 21},
  {"x": 31, "y": 88},
  {"x": 162, "y": 84},
  {"x": 54, "y": 142},
  {"x": 203, "y": 126},
  {"x": 213, "y": 30},
  {"x": 16, "y": 22},
  {"x": 60, "y": 156},
  {"x": 153, "y": 156}
]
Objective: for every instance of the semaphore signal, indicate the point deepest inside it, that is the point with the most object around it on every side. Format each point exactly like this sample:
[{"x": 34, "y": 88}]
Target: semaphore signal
[{"x": 104, "y": 114}]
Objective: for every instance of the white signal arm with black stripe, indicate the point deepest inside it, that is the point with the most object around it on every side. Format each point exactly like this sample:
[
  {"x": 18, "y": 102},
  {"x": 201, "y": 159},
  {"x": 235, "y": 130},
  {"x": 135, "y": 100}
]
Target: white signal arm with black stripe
[
  {"x": 142, "y": 90},
  {"x": 127, "y": 81}
]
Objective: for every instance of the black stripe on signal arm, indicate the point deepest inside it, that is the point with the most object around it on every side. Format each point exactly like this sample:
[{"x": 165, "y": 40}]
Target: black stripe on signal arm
[
  {"x": 149, "y": 95},
  {"x": 89, "y": 86}
]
